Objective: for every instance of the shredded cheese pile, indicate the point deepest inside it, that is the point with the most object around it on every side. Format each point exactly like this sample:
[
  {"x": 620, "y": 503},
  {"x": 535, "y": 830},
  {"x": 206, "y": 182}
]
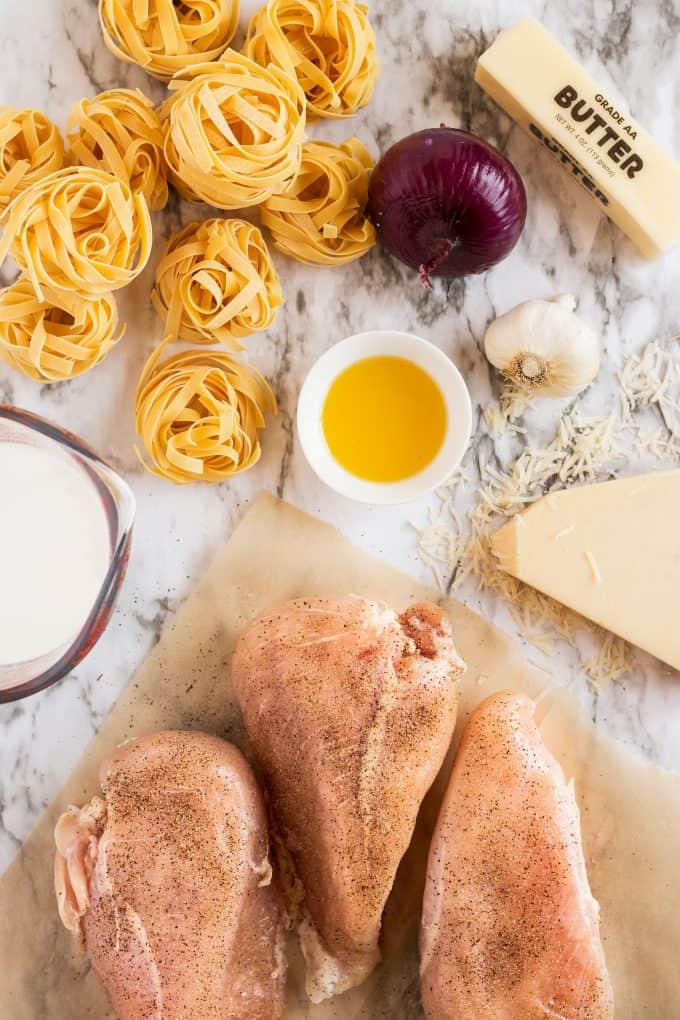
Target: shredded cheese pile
[
  {"x": 166, "y": 36},
  {"x": 31, "y": 147},
  {"x": 583, "y": 450},
  {"x": 120, "y": 131},
  {"x": 58, "y": 337},
  {"x": 320, "y": 219},
  {"x": 199, "y": 414},
  {"x": 512, "y": 403},
  {"x": 329, "y": 45},
  {"x": 78, "y": 230},
  {"x": 215, "y": 282},
  {"x": 652, "y": 380},
  {"x": 233, "y": 132}
]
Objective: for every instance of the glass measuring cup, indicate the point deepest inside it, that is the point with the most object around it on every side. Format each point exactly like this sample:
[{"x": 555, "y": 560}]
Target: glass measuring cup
[{"x": 18, "y": 680}]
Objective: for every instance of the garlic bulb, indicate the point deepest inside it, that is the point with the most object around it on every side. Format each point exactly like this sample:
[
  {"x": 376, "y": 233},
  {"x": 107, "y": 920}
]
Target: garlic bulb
[{"x": 543, "y": 346}]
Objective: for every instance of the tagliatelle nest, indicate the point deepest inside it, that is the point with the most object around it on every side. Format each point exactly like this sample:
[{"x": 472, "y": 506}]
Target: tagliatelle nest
[
  {"x": 57, "y": 338},
  {"x": 120, "y": 131},
  {"x": 31, "y": 147},
  {"x": 215, "y": 282},
  {"x": 199, "y": 415},
  {"x": 321, "y": 219},
  {"x": 78, "y": 230},
  {"x": 233, "y": 132},
  {"x": 329, "y": 45},
  {"x": 167, "y": 36}
]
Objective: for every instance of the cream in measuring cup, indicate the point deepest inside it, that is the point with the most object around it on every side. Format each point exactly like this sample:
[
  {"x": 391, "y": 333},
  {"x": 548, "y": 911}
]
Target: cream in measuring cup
[{"x": 55, "y": 550}]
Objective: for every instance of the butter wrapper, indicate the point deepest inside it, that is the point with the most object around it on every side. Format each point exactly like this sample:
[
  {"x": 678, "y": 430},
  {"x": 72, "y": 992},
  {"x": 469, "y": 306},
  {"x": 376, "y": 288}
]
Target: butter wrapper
[{"x": 554, "y": 99}]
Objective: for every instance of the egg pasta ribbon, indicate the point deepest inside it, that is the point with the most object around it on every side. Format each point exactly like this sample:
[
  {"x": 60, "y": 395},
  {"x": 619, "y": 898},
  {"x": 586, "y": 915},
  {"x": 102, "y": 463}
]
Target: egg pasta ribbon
[
  {"x": 199, "y": 414},
  {"x": 216, "y": 283},
  {"x": 233, "y": 132},
  {"x": 164, "y": 36},
  {"x": 321, "y": 219},
  {"x": 31, "y": 147},
  {"x": 59, "y": 337},
  {"x": 120, "y": 131},
  {"x": 78, "y": 230},
  {"x": 329, "y": 45}
]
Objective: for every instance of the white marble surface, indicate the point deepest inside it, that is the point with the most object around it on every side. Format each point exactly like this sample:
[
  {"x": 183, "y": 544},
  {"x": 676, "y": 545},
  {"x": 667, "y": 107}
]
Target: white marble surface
[{"x": 51, "y": 54}]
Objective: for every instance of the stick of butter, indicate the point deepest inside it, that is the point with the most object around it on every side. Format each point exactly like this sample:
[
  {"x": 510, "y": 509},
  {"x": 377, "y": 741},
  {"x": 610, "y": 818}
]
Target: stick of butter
[
  {"x": 609, "y": 551},
  {"x": 554, "y": 99}
]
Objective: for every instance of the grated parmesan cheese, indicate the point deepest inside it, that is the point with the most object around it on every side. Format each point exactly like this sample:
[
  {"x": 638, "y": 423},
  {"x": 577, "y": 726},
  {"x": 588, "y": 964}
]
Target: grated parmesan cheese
[
  {"x": 512, "y": 404},
  {"x": 651, "y": 380},
  {"x": 583, "y": 449}
]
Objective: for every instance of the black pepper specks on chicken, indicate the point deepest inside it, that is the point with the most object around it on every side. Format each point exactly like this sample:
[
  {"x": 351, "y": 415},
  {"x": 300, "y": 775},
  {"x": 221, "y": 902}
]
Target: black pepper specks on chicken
[
  {"x": 172, "y": 892},
  {"x": 350, "y": 710},
  {"x": 510, "y": 929}
]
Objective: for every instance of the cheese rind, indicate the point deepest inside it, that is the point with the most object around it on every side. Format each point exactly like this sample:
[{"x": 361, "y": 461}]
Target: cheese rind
[
  {"x": 635, "y": 182},
  {"x": 611, "y": 552}
]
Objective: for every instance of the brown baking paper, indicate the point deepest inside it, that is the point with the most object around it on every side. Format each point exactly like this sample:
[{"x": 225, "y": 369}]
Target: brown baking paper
[{"x": 630, "y": 809}]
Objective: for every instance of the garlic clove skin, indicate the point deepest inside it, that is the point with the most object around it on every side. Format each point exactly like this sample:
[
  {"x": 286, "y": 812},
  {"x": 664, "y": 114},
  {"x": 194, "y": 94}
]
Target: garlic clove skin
[{"x": 545, "y": 347}]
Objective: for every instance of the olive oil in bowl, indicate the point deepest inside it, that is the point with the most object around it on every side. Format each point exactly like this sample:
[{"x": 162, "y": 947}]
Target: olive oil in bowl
[{"x": 384, "y": 419}]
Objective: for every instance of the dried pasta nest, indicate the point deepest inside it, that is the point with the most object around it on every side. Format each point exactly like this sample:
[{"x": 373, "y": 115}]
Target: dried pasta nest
[
  {"x": 120, "y": 131},
  {"x": 166, "y": 36},
  {"x": 59, "y": 337},
  {"x": 199, "y": 415},
  {"x": 329, "y": 45},
  {"x": 233, "y": 132},
  {"x": 78, "y": 230},
  {"x": 321, "y": 219},
  {"x": 215, "y": 283},
  {"x": 31, "y": 147}
]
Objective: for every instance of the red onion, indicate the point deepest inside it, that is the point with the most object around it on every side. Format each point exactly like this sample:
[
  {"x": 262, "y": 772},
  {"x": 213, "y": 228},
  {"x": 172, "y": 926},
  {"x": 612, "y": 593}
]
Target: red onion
[{"x": 446, "y": 203}]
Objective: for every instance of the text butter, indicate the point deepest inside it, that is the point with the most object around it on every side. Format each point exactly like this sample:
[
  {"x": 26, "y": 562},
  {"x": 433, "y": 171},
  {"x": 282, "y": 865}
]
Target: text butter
[{"x": 553, "y": 98}]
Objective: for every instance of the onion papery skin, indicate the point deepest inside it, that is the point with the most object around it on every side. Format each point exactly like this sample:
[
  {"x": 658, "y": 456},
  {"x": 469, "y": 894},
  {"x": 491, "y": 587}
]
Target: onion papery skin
[{"x": 446, "y": 203}]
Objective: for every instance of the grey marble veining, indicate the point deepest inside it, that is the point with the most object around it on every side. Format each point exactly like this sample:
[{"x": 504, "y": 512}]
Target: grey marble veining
[{"x": 51, "y": 54}]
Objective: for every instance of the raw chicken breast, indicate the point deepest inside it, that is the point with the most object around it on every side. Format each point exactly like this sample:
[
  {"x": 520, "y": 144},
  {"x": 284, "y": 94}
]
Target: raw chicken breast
[
  {"x": 168, "y": 882},
  {"x": 510, "y": 929},
  {"x": 350, "y": 709}
]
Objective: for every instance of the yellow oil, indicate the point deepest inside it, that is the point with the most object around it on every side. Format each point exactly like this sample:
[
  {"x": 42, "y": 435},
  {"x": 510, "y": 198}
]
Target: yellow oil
[{"x": 384, "y": 419}]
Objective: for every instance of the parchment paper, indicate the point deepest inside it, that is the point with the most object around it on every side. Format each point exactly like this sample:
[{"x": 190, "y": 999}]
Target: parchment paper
[{"x": 630, "y": 809}]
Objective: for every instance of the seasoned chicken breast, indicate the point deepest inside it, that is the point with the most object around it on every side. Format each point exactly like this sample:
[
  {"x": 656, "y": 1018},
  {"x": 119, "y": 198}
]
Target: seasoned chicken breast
[
  {"x": 350, "y": 710},
  {"x": 167, "y": 880},
  {"x": 510, "y": 929}
]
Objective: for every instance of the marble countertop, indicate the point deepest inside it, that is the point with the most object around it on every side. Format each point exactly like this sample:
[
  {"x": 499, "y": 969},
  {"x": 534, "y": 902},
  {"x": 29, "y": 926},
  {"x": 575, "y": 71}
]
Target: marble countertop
[{"x": 51, "y": 54}]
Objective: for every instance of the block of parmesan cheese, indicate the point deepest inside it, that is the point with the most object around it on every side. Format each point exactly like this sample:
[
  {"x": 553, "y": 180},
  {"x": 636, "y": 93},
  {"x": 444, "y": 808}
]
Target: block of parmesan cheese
[
  {"x": 610, "y": 552},
  {"x": 598, "y": 142}
]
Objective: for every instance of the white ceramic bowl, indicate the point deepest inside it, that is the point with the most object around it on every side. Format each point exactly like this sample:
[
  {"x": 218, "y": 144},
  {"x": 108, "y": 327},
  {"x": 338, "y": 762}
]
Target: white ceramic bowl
[{"x": 367, "y": 345}]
